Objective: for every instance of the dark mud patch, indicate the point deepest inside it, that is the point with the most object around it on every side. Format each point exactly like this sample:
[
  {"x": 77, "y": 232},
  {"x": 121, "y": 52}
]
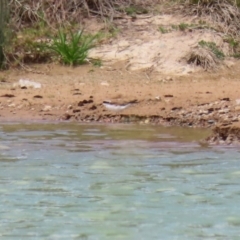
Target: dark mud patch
[{"x": 225, "y": 134}]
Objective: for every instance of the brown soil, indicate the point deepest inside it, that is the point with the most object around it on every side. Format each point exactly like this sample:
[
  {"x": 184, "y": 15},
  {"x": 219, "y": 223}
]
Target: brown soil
[
  {"x": 167, "y": 90},
  {"x": 200, "y": 99}
]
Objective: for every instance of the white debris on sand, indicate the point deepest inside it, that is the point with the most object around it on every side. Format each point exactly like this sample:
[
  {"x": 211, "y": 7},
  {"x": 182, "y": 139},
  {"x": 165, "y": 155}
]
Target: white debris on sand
[{"x": 27, "y": 83}]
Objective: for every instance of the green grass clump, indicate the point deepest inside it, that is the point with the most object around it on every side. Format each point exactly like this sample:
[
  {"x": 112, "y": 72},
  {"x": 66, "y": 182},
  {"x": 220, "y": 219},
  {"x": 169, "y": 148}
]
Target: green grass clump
[
  {"x": 134, "y": 10},
  {"x": 3, "y": 22},
  {"x": 72, "y": 49},
  {"x": 1, "y": 48},
  {"x": 163, "y": 30},
  {"x": 213, "y": 47},
  {"x": 183, "y": 26},
  {"x": 234, "y": 45}
]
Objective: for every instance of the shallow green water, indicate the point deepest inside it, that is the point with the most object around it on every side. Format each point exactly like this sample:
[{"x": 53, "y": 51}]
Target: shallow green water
[{"x": 116, "y": 182}]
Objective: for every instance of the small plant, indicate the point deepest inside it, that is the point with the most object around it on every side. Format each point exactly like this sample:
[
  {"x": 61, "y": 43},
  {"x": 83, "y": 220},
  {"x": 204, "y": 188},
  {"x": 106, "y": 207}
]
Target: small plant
[
  {"x": 96, "y": 62},
  {"x": 213, "y": 47},
  {"x": 1, "y": 48},
  {"x": 26, "y": 49},
  {"x": 3, "y": 24},
  {"x": 133, "y": 10},
  {"x": 163, "y": 30},
  {"x": 183, "y": 26},
  {"x": 236, "y": 55},
  {"x": 234, "y": 44},
  {"x": 72, "y": 49},
  {"x": 111, "y": 28},
  {"x": 174, "y": 27}
]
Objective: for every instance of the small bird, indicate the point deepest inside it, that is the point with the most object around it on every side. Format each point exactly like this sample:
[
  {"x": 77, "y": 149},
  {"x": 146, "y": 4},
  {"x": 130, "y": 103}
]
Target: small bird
[{"x": 116, "y": 106}]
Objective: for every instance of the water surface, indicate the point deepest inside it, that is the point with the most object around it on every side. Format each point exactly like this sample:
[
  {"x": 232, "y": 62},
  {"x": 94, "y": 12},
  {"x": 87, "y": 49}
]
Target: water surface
[{"x": 66, "y": 181}]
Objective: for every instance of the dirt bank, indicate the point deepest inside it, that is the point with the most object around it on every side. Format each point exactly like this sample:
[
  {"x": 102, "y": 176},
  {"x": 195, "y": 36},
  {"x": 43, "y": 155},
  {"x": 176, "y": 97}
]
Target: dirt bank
[
  {"x": 144, "y": 64},
  {"x": 77, "y": 94}
]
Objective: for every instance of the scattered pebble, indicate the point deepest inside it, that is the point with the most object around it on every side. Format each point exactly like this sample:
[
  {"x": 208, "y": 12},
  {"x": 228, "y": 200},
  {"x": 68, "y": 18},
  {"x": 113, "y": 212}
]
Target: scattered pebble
[
  {"x": 8, "y": 95},
  {"x": 37, "y": 96},
  {"x": 12, "y": 105},
  {"x": 146, "y": 121},
  {"x": 104, "y": 83},
  {"x": 237, "y": 101},
  {"x": 46, "y": 108}
]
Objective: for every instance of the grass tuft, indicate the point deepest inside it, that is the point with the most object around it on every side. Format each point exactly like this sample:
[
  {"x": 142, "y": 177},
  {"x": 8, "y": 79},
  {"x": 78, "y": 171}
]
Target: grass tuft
[
  {"x": 202, "y": 57},
  {"x": 213, "y": 47},
  {"x": 223, "y": 14},
  {"x": 72, "y": 49}
]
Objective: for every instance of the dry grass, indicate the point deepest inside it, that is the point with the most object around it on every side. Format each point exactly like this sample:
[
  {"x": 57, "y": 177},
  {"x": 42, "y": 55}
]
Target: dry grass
[
  {"x": 3, "y": 21},
  {"x": 70, "y": 11},
  {"x": 202, "y": 57},
  {"x": 32, "y": 21},
  {"x": 222, "y": 14}
]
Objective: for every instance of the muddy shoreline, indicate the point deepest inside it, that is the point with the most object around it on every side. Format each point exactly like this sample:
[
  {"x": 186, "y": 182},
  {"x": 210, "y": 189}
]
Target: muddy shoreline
[
  {"x": 205, "y": 100},
  {"x": 222, "y": 133}
]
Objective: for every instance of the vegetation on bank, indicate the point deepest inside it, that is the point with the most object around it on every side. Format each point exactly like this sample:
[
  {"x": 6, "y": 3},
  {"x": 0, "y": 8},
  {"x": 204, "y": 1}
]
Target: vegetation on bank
[
  {"x": 31, "y": 29},
  {"x": 3, "y": 21}
]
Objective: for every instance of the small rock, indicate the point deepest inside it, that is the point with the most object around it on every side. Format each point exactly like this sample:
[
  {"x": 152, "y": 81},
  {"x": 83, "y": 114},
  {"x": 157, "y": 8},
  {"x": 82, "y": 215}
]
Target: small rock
[
  {"x": 225, "y": 99},
  {"x": 76, "y": 110},
  {"x": 12, "y": 105},
  {"x": 222, "y": 111},
  {"x": 229, "y": 63},
  {"x": 235, "y": 119},
  {"x": 93, "y": 107},
  {"x": 104, "y": 83},
  {"x": 69, "y": 107},
  {"x": 211, "y": 109},
  {"x": 8, "y": 95},
  {"x": 123, "y": 43},
  {"x": 169, "y": 79},
  {"x": 146, "y": 121},
  {"x": 66, "y": 116},
  {"x": 37, "y": 96},
  {"x": 201, "y": 112},
  {"x": 176, "y": 108},
  {"x": 237, "y": 101},
  {"x": 211, "y": 121},
  {"x": 82, "y": 103},
  {"x": 168, "y": 96},
  {"x": 47, "y": 108}
]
